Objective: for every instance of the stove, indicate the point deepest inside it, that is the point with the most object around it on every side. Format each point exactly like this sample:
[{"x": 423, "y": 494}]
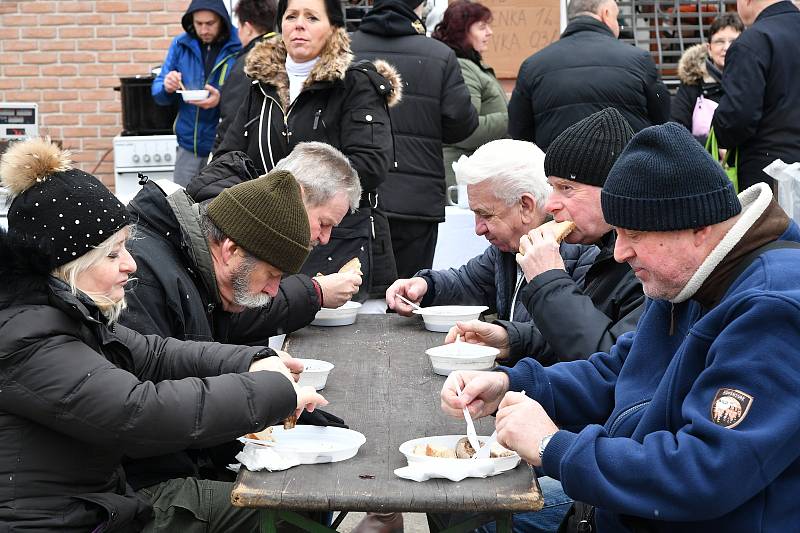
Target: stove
[{"x": 152, "y": 155}]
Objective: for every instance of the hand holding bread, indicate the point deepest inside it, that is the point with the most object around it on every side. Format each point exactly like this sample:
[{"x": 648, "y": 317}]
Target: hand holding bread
[{"x": 539, "y": 249}]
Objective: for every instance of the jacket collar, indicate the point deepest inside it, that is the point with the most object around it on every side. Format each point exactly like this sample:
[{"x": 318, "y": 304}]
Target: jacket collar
[
  {"x": 779, "y": 8},
  {"x": 266, "y": 63},
  {"x": 586, "y": 23},
  {"x": 760, "y": 222}
]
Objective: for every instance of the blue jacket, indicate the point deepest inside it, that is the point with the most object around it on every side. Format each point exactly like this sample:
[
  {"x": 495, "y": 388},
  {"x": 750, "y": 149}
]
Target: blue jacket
[
  {"x": 637, "y": 437},
  {"x": 490, "y": 279},
  {"x": 195, "y": 127}
]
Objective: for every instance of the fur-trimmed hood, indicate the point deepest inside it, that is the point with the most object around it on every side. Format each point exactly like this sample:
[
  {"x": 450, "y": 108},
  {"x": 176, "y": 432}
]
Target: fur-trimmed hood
[
  {"x": 266, "y": 63},
  {"x": 692, "y": 66}
]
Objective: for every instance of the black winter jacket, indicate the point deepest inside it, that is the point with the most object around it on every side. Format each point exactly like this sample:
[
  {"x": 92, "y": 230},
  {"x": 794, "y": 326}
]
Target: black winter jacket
[
  {"x": 697, "y": 79},
  {"x": 490, "y": 279},
  {"x": 343, "y": 104},
  {"x": 235, "y": 90},
  {"x": 583, "y": 72},
  {"x": 573, "y": 321},
  {"x": 77, "y": 394},
  {"x": 436, "y": 108},
  {"x": 760, "y": 112}
]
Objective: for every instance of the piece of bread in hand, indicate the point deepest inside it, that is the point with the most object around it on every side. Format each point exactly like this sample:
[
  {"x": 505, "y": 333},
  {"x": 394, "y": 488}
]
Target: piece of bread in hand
[
  {"x": 559, "y": 229},
  {"x": 290, "y": 422},
  {"x": 265, "y": 434},
  {"x": 354, "y": 266},
  {"x": 433, "y": 450}
]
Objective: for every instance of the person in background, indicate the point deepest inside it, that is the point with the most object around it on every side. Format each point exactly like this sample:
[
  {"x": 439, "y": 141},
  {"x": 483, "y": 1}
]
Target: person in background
[
  {"x": 759, "y": 112},
  {"x": 588, "y": 69},
  {"x": 466, "y": 29},
  {"x": 508, "y": 191},
  {"x": 700, "y": 72},
  {"x": 306, "y": 87},
  {"x": 256, "y": 20},
  {"x": 80, "y": 390},
  {"x": 200, "y": 58},
  {"x": 665, "y": 431},
  {"x": 436, "y": 109}
]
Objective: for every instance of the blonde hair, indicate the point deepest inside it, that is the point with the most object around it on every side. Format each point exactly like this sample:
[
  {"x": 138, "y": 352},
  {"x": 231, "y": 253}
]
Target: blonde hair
[{"x": 69, "y": 273}]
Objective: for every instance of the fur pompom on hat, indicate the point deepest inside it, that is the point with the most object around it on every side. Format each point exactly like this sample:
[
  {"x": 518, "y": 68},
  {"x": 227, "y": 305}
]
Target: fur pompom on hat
[{"x": 60, "y": 210}]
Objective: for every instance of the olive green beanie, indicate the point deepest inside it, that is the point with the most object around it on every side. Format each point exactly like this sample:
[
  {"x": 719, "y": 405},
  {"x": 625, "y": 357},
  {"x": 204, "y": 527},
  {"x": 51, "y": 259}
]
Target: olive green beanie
[{"x": 266, "y": 217}]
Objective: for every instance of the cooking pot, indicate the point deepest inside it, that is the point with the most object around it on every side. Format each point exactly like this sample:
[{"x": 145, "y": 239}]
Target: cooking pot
[{"x": 140, "y": 113}]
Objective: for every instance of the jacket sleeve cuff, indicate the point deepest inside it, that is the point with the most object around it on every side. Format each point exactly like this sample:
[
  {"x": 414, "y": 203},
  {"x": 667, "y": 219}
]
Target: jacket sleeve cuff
[
  {"x": 430, "y": 294},
  {"x": 515, "y": 348},
  {"x": 559, "y": 444}
]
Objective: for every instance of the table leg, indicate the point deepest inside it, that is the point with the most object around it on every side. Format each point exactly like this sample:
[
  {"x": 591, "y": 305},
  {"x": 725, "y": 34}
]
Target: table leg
[
  {"x": 504, "y": 523},
  {"x": 477, "y": 520},
  {"x": 270, "y": 518},
  {"x": 269, "y": 521}
]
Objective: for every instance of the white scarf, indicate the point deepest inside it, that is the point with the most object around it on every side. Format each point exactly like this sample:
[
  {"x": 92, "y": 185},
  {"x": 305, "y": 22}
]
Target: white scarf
[{"x": 298, "y": 74}]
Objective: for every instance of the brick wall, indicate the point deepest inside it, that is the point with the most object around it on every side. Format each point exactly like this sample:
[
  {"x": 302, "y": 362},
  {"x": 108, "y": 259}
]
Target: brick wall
[{"x": 67, "y": 56}]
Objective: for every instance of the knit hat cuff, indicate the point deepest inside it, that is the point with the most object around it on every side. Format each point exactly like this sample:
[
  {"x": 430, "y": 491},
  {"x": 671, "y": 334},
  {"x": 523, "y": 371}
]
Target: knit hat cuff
[
  {"x": 670, "y": 214},
  {"x": 271, "y": 245}
]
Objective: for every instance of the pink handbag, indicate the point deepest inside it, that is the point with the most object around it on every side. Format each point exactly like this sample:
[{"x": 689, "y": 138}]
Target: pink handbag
[{"x": 702, "y": 115}]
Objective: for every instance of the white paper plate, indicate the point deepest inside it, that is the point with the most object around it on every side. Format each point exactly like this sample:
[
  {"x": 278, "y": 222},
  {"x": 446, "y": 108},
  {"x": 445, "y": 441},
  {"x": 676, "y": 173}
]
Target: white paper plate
[
  {"x": 441, "y": 318},
  {"x": 340, "y": 316},
  {"x": 314, "y": 444},
  {"x": 424, "y": 467}
]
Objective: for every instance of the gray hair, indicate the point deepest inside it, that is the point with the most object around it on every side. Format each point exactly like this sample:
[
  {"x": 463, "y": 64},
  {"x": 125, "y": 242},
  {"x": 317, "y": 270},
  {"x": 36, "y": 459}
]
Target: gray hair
[
  {"x": 323, "y": 172},
  {"x": 210, "y": 230},
  {"x": 514, "y": 167},
  {"x": 577, "y": 8},
  {"x": 69, "y": 273}
]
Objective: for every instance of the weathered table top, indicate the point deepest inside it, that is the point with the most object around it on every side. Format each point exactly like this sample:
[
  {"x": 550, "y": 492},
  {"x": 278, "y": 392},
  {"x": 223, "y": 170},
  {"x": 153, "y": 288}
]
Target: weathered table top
[{"x": 383, "y": 385}]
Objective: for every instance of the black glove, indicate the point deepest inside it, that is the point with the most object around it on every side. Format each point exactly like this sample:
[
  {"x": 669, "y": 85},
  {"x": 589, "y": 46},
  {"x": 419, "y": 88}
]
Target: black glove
[{"x": 321, "y": 418}]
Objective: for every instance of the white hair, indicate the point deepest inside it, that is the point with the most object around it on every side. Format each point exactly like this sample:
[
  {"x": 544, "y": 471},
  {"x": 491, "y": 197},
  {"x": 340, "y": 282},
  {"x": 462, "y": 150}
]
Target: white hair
[{"x": 514, "y": 168}]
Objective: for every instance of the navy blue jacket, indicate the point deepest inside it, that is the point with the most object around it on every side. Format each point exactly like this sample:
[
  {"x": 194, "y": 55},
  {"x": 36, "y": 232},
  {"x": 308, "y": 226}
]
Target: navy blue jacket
[
  {"x": 645, "y": 431},
  {"x": 491, "y": 279},
  {"x": 195, "y": 127},
  {"x": 760, "y": 111}
]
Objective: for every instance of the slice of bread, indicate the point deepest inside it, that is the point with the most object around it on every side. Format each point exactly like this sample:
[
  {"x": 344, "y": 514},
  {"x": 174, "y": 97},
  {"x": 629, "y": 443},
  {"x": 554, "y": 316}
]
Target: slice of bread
[
  {"x": 265, "y": 434},
  {"x": 354, "y": 266},
  {"x": 559, "y": 229}
]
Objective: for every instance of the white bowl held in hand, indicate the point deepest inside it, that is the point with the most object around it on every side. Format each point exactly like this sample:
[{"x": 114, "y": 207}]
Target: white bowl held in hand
[
  {"x": 443, "y": 317},
  {"x": 341, "y": 316},
  {"x": 194, "y": 96},
  {"x": 461, "y": 356},
  {"x": 315, "y": 373}
]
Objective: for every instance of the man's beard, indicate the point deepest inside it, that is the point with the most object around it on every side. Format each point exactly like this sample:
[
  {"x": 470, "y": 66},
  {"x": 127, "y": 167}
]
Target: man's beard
[{"x": 241, "y": 291}]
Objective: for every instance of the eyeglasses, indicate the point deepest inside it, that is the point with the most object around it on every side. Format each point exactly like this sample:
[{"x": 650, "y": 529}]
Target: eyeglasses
[{"x": 722, "y": 42}]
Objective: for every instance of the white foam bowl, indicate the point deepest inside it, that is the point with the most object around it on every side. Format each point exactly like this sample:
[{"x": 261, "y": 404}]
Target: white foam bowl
[
  {"x": 500, "y": 464},
  {"x": 315, "y": 373},
  {"x": 443, "y": 317},
  {"x": 341, "y": 316},
  {"x": 194, "y": 95},
  {"x": 461, "y": 356}
]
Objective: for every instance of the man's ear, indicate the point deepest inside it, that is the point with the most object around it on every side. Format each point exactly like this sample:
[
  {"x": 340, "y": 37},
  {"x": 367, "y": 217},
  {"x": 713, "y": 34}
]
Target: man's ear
[
  {"x": 227, "y": 249},
  {"x": 528, "y": 208},
  {"x": 701, "y": 235}
]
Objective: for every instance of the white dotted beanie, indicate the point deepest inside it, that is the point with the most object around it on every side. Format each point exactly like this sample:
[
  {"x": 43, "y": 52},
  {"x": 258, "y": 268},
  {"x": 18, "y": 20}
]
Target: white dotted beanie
[{"x": 62, "y": 211}]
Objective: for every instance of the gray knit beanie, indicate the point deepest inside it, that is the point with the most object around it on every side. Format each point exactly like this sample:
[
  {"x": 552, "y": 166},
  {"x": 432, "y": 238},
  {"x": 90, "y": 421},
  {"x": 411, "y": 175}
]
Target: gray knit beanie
[
  {"x": 664, "y": 181},
  {"x": 266, "y": 217},
  {"x": 586, "y": 150}
]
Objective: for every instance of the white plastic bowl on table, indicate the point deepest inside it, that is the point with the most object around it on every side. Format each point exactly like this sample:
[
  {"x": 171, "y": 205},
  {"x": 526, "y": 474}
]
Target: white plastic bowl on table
[
  {"x": 194, "y": 95},
  {"x": 313, "y": 444},
  {"x": 315, "y": 373},
  {"x": 443, "y": 317},
  {"x": 461, "y": 356},
  {"x": 500, "y": 464},
  {"x": 340, "y": 316}
]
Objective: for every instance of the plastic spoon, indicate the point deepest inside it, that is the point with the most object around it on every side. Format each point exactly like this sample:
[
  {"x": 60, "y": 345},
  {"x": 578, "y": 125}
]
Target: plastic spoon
[
  {"x": 409, "y": 302},
  {"x": 472, "y": 436}
]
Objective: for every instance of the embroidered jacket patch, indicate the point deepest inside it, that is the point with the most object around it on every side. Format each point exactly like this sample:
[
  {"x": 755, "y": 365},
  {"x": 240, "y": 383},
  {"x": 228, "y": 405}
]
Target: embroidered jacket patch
[{"x": 729, "y": 407}]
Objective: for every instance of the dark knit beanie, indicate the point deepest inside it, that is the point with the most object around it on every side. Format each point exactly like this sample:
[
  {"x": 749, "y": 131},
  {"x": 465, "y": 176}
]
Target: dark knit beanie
[
  {"x": 266, "y": 217},
  {"x": 62, "y": 211},
  {"x": 586, "y": 150},
  {"x": 664, "y": 181},
  {"x": 333, "y": 8}
]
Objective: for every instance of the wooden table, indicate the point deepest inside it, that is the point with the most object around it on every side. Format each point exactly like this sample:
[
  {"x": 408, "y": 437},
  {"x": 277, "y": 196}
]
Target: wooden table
[{"x": 383, "y": 386}]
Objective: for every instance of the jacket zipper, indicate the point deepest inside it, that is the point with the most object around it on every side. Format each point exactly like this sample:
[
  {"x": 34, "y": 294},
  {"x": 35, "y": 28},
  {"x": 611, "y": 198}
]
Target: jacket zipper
[{"x": 625, "y": 414}]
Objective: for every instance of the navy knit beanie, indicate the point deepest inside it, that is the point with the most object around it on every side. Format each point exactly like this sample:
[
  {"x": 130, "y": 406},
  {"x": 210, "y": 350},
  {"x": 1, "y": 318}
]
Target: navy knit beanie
[
  {"x": 665, "y": 181},
  {"x": 586, "y": 150}
]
